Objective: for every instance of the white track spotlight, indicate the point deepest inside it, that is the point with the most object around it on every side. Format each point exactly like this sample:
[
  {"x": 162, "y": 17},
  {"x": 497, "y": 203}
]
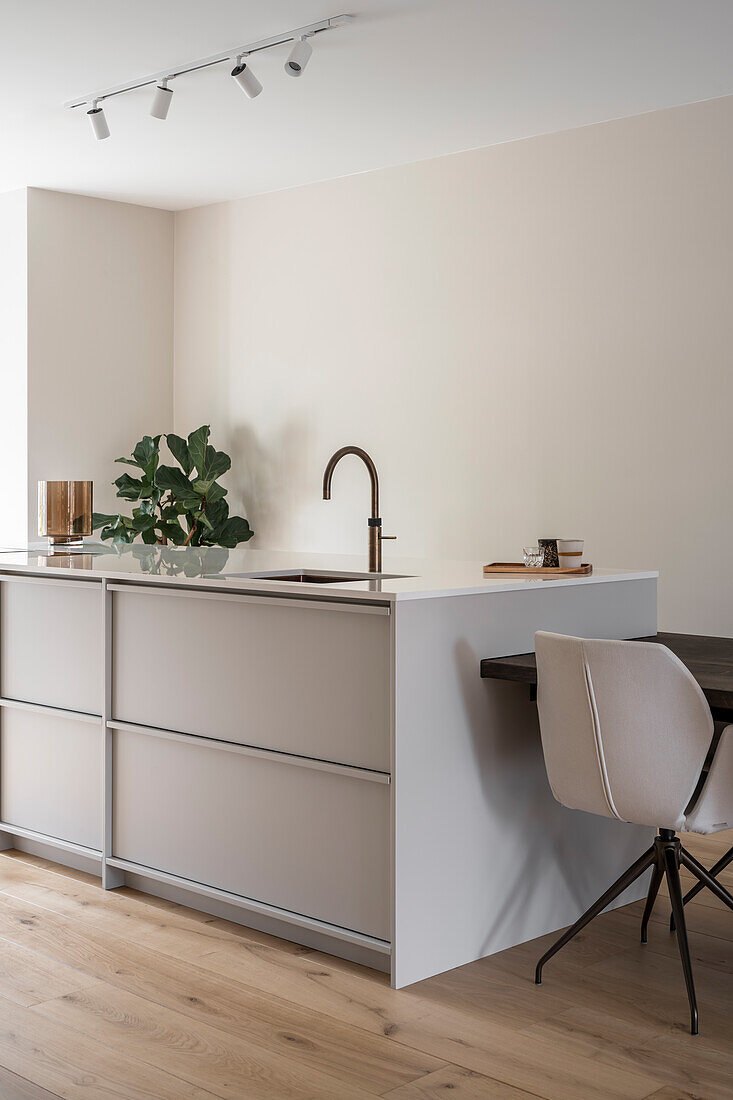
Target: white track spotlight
[
  {"x": 98, "y": 121},
  {"x": 161, "y": 100},
  {"x": 246, "y": 79},
  {"x": 299, "y": 57}
]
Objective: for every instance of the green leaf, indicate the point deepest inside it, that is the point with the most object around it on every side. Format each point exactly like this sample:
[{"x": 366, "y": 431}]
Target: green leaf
[
  {"x": 129, "y": 462},
  {"x": 173, "y": 531},
  {"x": 197, "y": 442},
  {"x": 129, "y": 488},
  {"x": 233, "y": 531},
  {"x": 216, "y": 463},
  {"x": 179, "y": 449},
  {"x": 101, "y": 519},
  {"x": 215, "y": 493},
  {"x": 217, "y": 512},
  {"x": 170, "y": 477},
  {"x": 143, "y": 522},
  {"x": 118, "y": 533},
  {"x": 150, "y": 537},
  {"x": 146, "y": 451}
]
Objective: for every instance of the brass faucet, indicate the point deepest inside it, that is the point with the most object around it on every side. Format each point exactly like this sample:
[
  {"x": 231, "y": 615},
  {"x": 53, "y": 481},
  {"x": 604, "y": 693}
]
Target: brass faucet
[{"x": 374, "y": 522}]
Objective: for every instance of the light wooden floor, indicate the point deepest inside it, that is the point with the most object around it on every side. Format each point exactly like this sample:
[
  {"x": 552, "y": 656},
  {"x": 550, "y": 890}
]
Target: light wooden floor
[{"x": 116, "y": 995}]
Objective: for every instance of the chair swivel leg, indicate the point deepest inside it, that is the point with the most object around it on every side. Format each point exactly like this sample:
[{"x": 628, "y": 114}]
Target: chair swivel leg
[
  {"x": 655, "y": 883},
  {"x": 715, "y": 870},
  {"x": 705, "y": 878},
  {"x": 638, "y": 868},
  {"x": 672, "y": 857}
]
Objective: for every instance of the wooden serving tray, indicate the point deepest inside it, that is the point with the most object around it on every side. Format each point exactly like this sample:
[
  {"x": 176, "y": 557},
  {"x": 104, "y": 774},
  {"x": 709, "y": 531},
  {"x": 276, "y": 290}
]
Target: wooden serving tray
[{"x": 518, "y": 569}]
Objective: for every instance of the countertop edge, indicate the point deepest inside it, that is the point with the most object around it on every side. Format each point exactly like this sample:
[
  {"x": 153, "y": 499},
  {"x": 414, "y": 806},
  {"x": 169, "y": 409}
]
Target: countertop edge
[{"x": 261, "y": 586}]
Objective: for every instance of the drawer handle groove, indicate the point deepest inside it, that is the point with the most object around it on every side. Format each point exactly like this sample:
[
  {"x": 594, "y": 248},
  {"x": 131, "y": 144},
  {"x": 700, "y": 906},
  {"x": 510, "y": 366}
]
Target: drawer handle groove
[{"x": 351, "y": 771}]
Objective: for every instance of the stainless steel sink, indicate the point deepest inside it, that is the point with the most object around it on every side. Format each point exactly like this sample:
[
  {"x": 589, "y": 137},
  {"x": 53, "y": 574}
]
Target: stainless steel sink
[{"x": 303, "y": 576}]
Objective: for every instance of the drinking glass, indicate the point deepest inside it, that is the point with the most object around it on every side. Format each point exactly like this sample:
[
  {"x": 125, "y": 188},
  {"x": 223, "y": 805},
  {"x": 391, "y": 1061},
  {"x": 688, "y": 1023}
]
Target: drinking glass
[{"x": 533, "y": 556}]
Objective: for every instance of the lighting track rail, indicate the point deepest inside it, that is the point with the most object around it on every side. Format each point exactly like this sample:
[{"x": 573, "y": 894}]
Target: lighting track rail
[{"x": 243, "y": 75}]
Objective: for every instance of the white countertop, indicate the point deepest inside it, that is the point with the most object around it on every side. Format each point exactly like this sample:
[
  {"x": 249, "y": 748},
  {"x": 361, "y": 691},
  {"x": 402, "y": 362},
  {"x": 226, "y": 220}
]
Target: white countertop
[{"x": 218, "y": 567}]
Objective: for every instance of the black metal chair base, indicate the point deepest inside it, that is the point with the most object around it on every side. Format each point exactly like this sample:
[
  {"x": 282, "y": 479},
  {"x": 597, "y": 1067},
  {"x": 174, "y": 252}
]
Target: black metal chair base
[
  {"x": 714, "y": 871},
  {"x": 665, "y": 856}
]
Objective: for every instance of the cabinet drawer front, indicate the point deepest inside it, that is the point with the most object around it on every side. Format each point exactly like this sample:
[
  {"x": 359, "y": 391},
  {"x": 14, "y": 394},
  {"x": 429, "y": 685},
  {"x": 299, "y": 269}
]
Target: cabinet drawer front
[
  {"x": 51, "y": 643},
  {"x": 312, "y": 842},
  {"x": 292, "y": 677},
  {"x": 51, "y": 775}
]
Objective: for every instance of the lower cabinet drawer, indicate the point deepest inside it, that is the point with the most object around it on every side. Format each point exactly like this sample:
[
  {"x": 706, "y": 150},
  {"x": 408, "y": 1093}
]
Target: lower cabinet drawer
[
  {"x": 312, "y": 842},
  {"x": 296, "y": 676},
  {"x": 51, "y": 776},
  {"x": 51, "y": 643}
]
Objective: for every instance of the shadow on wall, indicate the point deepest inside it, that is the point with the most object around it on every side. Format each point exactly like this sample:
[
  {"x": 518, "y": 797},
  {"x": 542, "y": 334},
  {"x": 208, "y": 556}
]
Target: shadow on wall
[{"x": 271, "y": 479}]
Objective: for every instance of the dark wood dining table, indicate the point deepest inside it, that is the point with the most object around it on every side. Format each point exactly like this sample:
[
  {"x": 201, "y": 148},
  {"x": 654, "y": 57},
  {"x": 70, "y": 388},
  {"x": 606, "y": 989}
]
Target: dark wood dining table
[{"x": 710, "y": 660}]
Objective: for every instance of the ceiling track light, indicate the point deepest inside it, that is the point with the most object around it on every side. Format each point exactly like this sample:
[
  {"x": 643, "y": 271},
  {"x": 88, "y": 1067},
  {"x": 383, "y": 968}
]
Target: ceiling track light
[
  {"x": 246, "y": 79},
  {"x": 97, "y": 118},
  {"x": 161, "y": 100},
  {"x": 298, "y": 59}
]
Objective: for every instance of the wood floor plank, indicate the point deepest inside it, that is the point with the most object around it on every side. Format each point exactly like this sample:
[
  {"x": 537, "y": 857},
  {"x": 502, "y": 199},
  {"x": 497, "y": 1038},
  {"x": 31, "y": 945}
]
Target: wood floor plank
[
  {"x": 420, "y": 1037},
  {"x": 671, "y": 1092},
  {"x": 705, "y": 897},
  {"x": 14, "y": 1087},
  {"x": 462, "y": 1084},
  {"x": 646, "y": 989},
  {"x": 701, "y": 919},
  {"x": 412, "y": 1017},
  {"x": 650, "y": 974},
  {"x": 156, "y": 1035},
  {"x": 27, "y": 978},
  {"x": 706, "y": 949},
  {"x": 351, "y": 993},
  {"x": 125, "y": 913},
  {"x": 75, "y": 1067},
  {"x": 229, "y": 1066},
  {"x": 31, "y": 860},
  {"x": 193, "y": 1006},
  {"x": 370, "y": 1061},
  {"x": 668, "y": 1052},
  {"x": 709, "y": 848}
]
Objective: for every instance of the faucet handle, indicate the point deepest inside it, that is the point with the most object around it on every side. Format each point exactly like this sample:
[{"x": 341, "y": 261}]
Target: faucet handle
[{"x": 384, "y": 537}]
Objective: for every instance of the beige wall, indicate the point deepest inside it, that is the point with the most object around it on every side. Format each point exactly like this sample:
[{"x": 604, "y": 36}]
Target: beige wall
[
  {"x": 13, "y": 370},
  {"x": 531, "y": 339},
  {"x": 100, "y": 322}
]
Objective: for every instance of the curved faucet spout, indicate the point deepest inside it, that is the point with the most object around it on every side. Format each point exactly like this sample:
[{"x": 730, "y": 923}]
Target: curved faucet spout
[
  {"x": 374, "y": 522},
  {"x": 368, "y": 462}
]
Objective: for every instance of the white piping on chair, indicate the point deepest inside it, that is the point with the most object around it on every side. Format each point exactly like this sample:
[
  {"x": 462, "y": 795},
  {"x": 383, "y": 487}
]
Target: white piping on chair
[{"x": 599, "y": 740}]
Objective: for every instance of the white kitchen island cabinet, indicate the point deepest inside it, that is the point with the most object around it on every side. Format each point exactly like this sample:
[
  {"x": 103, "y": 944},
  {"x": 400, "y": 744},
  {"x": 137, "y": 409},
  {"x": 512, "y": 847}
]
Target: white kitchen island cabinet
[{"x": 317, "y": 760}]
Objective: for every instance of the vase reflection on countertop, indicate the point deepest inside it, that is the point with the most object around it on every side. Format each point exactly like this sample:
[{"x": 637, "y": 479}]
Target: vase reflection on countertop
[{"x": 61, "y": 559}]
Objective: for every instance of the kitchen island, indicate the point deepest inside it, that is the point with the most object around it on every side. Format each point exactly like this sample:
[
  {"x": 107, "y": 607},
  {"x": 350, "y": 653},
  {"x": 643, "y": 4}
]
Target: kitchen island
[{"x": 290, "y": 742}]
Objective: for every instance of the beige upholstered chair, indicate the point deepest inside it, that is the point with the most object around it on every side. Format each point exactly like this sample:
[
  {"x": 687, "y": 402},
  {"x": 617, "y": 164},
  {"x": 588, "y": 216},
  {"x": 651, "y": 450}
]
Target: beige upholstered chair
[{"x": 627, "y": 733}]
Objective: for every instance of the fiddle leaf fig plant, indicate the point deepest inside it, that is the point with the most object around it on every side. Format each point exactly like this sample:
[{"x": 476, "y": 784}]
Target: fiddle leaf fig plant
[{"x": 184, "y": 505}]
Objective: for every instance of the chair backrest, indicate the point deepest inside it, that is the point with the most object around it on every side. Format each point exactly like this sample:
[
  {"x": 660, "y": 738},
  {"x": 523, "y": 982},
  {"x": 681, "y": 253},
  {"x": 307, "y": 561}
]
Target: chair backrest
[{"x": 625, "y": 727}]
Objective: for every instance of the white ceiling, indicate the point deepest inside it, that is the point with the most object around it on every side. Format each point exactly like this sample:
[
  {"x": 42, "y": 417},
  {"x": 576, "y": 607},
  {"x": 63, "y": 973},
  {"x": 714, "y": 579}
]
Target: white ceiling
[{"x": 407, "y": 80}]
